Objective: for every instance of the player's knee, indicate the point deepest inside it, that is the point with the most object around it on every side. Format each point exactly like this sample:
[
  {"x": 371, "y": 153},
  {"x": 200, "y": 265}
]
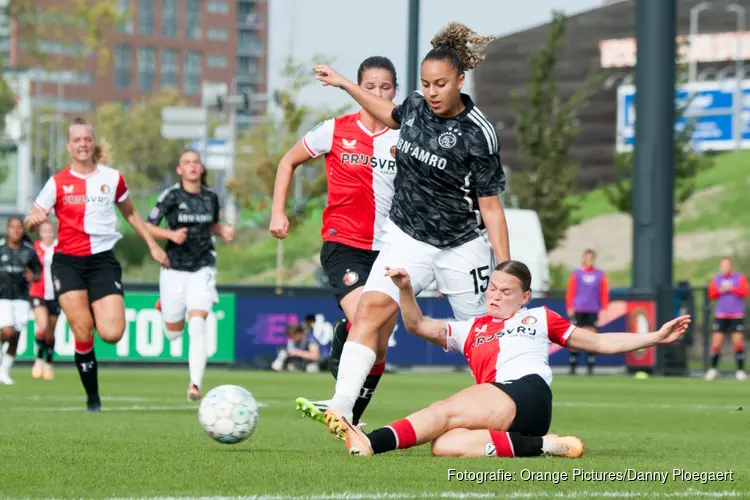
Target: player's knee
[
  {"x": 111, "y": 331},
  {"x": 444, "y": 411},
  {"x": 8, "y": 333},
  {"x": 173, "y": 331},
  {"x": 443, "y": 447},
  {"x": 373, "y": 311},
  {"x": 83, "y": 331},
  {"x": 448, "y": 444},
  {"x": 41, "y": 327}
]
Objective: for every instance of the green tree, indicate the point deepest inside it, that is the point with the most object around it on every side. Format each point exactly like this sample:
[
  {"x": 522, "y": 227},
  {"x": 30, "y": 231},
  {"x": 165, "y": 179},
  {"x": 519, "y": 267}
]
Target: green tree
[
  {"x": 261, "y": 149},
  {"x": 687, "y": 162},
  {"x": 81, "y": 24},
  {"x": 545, "y": 130},
  {"x": 136, "y": 145}
]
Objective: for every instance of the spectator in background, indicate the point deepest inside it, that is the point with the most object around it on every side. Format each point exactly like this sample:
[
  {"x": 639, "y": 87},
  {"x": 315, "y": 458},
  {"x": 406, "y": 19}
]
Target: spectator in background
[
  {"x": 323, "y": 341},
  {"x": 302, "y": 352},
  {"x": 729, "y": 289},
  {"x": 587, "y": 295}
]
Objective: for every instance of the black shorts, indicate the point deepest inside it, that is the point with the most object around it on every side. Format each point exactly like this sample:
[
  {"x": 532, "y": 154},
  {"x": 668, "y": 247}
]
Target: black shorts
[
  {"x": 347, "y": 268},
  {"x": 99, "y": 274},
  {"x": 729, "y": 325},
  {"x": 585, "y": 319},
  {"x": 533, "y": 399},
  {"x": 53, "y": 307}
]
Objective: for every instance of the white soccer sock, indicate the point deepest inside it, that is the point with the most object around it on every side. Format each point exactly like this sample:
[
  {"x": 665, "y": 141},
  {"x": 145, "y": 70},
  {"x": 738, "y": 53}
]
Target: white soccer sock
[
  {"x": 6, "y": 364},
  {"x": 197, "y": 350},
  {"x": 356, "y": 362}
]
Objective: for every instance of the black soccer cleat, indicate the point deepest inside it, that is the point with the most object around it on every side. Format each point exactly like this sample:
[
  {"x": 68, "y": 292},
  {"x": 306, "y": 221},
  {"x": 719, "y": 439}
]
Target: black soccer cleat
[
  {"x": 340, "y": 335},
  {"x": 93, "y": 405}
]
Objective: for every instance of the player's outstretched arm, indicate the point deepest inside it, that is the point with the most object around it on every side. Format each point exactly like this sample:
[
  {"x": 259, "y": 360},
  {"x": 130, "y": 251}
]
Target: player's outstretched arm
[
  {"x": 430, "y": 329},
  {"x": 378, "y": 107},
  {"x": 617, "y": 343}
]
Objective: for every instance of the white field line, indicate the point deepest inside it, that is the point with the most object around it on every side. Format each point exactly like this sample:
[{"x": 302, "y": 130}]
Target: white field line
[{"x": 689, "y": 493}]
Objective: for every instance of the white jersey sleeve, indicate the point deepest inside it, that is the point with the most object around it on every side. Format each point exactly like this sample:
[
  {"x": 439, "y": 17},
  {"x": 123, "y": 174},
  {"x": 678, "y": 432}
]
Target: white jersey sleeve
[
  {"x": 47, "y": 196},
  {"x": 458, "y": 332},
  {"x": 319, "y": 140}
]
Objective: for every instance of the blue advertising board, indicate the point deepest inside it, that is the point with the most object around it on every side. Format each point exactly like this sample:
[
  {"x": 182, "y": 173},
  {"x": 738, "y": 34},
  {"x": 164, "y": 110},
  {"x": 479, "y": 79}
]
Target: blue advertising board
[
  {"x": 262, "y": 321},
  {"x": 710, "y": 107}
]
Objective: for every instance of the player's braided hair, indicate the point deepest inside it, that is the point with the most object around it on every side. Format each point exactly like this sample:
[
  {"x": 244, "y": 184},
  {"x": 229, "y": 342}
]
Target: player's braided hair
[
  {"x": 101, "y": 148},
  {"x": 459, "y": 45}
]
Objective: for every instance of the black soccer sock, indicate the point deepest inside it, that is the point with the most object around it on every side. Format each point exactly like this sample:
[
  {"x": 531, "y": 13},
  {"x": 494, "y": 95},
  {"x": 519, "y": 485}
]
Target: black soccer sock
[
  {"x": 591, "y": 360},
  {"x": 88, "y": 370},
  {"x": 513, "y": 444},
  {"x": 739, "y": 356},
  {"x": 715, "y": 354},
  {"x": 41, "y": 348},
  {"x": 50, "y": 352},
  {"x": 340, "y": 334},
  {"x": 573, "y": 362},
  {"x": 383, "y": 440},
  {"x": 368, "y": 389}
]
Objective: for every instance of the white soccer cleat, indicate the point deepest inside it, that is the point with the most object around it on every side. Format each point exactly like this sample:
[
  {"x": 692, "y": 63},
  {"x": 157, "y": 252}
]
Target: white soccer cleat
[
  {"x": 711, "y": 374},
  {"x": 741, "y": 375},
  {"x": 5, "y": 379},
  {"x": 49, "y": 371}
]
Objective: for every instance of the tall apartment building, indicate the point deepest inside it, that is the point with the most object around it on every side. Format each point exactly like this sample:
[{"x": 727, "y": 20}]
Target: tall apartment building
[{"x": 187, "y": 45}]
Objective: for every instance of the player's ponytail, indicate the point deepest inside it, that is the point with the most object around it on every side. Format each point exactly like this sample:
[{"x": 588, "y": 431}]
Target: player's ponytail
[
  {"x": 101, "y": 153},
  {"x": 460, "y": 46}
]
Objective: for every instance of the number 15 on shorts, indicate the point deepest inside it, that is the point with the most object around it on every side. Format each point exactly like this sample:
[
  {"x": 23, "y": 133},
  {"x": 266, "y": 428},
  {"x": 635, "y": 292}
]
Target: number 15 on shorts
[{"x": 481, "y": 277}]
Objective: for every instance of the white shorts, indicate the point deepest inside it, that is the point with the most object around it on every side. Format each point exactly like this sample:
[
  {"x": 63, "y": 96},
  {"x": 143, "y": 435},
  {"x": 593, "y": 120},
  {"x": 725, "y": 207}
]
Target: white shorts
[
  {"x": 14, "y": 313},
  {"x": 462, "y": 273},
  {"x": 183, "y": 291}
]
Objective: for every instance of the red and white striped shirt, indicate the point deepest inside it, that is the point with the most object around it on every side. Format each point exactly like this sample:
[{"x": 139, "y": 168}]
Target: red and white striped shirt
[
  {"x": 85, "y": 208},
  {"x": 361, "y": 167},
  {"x": 43, "y": 288},
  {"x": 504, "y": 350}
]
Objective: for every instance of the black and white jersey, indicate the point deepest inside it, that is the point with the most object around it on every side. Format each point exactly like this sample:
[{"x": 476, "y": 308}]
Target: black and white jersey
[
  {"x": 444, "y": 165},
  {"x": 13, "y": 265},
  {"x": 198, "y": 212}
]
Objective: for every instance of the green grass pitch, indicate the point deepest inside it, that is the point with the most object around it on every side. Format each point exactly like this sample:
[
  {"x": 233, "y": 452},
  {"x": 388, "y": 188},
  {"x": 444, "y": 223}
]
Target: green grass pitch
[{"x": 147, "y": 442}]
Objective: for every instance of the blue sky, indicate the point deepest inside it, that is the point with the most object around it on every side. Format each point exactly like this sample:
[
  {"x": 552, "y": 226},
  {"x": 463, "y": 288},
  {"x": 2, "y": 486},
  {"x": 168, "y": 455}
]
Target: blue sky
[{"x": 351, "y": 30}]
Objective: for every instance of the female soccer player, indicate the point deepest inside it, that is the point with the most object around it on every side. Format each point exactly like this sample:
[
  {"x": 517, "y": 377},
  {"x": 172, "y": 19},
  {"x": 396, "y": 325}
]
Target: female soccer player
[
  {"x": 19, "y": 264},
  {"x": 189, "y": 284},
  {"x": 45, "y": 306},
  {"x": 86, "y": 275},
  {"x": 446, "y": 217},
  {"x": 360, "y": 166},
  {"x": 507, "y": 349}
]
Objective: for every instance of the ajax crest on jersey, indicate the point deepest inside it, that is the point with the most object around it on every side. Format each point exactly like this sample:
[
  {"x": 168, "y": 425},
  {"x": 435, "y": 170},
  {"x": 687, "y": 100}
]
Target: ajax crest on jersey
[
  {"x": 528, "y": 320},
  {"x": 228, "y": 414},
  {"x": 350, "y": 278},
  {"x": 447, "y": 139}
]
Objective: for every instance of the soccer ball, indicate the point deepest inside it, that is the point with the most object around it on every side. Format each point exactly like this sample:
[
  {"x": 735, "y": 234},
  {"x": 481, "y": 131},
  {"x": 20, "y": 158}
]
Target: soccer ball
[{"x": 228, "y": 414}]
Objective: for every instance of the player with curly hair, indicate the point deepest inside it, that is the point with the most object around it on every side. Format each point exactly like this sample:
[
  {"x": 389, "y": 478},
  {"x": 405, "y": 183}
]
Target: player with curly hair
[{"x": 446, "y": 216}]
